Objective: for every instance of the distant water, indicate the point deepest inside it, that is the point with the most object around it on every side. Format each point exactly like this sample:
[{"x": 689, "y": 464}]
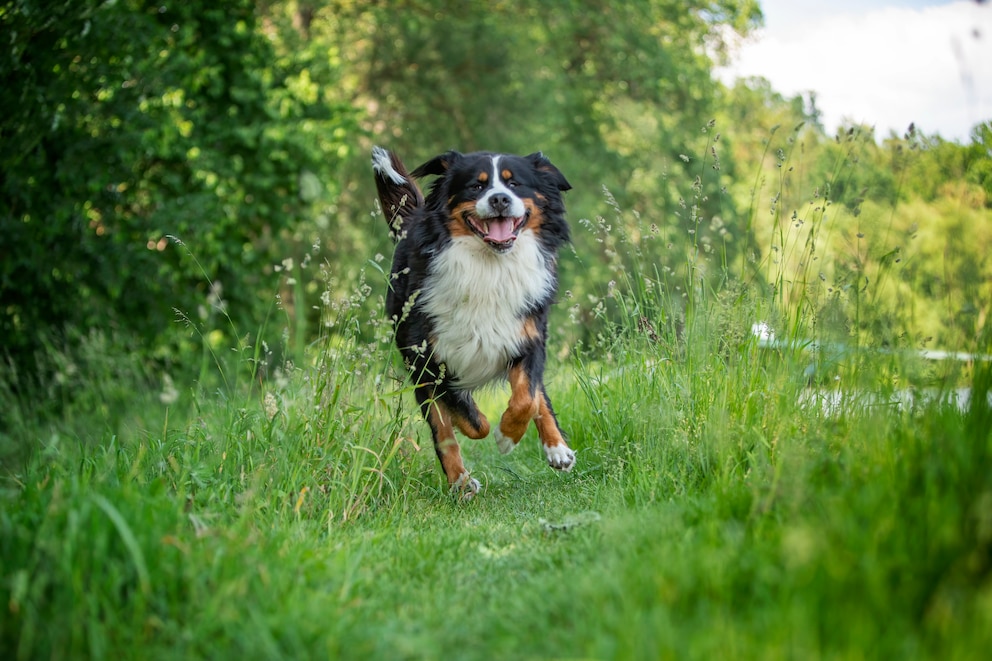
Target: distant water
[{"x": 834, "y": 401}]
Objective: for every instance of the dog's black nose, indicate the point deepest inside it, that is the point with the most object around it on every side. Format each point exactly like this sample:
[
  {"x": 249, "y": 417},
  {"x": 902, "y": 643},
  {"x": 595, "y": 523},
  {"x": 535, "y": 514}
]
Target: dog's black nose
[{"x": 500, "y": 203}]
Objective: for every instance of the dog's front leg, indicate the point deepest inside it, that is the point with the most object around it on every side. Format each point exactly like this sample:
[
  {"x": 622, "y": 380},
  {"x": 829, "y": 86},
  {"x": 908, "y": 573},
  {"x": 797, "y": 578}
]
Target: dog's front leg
[
  {"x": 520, "y": 410},
  {"x": 559, "y": 455},
  {"x": 529, "y": 402}
]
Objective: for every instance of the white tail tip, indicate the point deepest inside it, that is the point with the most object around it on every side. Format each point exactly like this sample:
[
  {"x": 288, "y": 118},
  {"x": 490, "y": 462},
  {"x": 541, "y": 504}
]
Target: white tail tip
[{"x": 382, "y": 163}]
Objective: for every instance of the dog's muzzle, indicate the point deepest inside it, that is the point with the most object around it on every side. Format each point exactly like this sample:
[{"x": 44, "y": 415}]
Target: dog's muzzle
[{"x": 498, "y": 232}]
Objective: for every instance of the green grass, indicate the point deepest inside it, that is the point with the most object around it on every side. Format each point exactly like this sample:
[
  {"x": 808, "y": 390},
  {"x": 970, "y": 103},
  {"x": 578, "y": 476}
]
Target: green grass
[
  {"x": 266, "y": 510},
  {"x": 710, "y": 514}
]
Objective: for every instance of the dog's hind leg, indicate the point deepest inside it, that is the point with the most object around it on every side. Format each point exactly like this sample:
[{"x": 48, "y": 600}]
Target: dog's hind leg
[
  {"x": 449, "y": 453},
  {"x": 465, "y": 414}
]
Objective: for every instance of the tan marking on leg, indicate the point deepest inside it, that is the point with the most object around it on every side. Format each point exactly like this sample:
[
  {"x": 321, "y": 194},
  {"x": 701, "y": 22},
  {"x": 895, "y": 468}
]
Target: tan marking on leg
[
  {"x": 556, "y": 450},
  {"x": 445, "y": 444},
  {"x": 520, "y": 410},
  {"x": 471, "y": 431},
  {"x": 547, "y": 426},
  {"x": 449, "y": 452}
]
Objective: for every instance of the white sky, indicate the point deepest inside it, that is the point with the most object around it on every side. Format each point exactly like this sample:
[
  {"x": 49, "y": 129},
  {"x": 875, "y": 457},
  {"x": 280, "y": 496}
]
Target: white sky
[{"x": 884, "y": 63}]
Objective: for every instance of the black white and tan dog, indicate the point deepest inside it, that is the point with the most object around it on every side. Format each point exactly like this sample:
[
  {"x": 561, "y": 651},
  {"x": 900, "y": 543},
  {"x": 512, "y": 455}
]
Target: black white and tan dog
[{"x": 473, "y": 277}]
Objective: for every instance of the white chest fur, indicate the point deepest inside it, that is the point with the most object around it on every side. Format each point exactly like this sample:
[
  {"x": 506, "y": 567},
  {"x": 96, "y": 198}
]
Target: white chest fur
[{"x": 477, "y": 300}]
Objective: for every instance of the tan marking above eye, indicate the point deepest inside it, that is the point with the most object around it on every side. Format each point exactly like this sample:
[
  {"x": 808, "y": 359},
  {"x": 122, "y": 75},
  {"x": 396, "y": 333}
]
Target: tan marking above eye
[
  {"x": 483, "y": 177},
  {"x": 506, "y": 174}
]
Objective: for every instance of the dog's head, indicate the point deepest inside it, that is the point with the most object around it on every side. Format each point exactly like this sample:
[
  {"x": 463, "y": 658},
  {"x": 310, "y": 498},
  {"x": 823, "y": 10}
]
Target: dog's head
[{"x": 495, "y": 197}]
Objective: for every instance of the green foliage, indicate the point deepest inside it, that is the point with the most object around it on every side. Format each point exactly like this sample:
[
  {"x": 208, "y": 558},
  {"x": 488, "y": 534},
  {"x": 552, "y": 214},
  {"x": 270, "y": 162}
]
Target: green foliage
[
  {"x": 132, "y": 123},
  {"x": 242, "y": 131},
  {"x": 617, "y": 95},
  {"x": 251, "y": 497}
]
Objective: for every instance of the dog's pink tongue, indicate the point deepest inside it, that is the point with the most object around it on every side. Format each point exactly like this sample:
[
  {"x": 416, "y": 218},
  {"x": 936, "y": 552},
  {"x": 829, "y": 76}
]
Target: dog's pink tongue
[{"x": 500, "y": 230}]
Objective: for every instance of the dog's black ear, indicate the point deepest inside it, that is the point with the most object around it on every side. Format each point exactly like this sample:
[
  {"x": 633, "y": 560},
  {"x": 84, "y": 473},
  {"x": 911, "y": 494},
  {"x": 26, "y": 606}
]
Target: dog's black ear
[
  {"x": 542, "y": 164},
  {"x": 437, "y": 165}
]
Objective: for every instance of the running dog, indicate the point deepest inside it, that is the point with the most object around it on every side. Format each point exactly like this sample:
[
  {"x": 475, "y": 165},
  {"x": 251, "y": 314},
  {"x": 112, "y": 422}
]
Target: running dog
[{"x": 473, "y": 278}]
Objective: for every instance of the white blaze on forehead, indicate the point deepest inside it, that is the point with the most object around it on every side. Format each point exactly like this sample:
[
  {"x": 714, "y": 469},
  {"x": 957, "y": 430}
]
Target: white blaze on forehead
[{"x": 483, "y": 207}]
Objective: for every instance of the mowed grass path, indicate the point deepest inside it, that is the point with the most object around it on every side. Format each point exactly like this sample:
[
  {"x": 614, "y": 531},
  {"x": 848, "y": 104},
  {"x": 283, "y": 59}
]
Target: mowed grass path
[{"x": 710, "y": 516}]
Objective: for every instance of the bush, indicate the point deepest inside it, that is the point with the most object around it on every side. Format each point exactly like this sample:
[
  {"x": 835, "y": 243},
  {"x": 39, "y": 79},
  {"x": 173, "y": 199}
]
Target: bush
[{"x": 126, "y": 124}]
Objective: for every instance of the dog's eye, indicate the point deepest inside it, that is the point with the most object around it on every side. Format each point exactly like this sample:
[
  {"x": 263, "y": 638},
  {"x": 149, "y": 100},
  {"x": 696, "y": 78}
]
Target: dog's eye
[
  {"x": 512, "y": 184},
  {"x": 477, "y": 186}
]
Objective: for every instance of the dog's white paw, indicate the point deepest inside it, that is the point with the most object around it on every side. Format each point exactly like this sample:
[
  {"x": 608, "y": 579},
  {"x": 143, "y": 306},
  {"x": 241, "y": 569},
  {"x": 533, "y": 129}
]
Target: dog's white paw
[
  {"x": 465, "y": 487},
  {"x": 560, "y": 457},
  {"x": 504, "y": 443}
]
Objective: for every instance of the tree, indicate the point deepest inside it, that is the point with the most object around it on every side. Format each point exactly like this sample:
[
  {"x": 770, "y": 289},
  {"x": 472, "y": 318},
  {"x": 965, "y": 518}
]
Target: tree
[
  {"x": 129, "y": 122},
  {"x": 619, "y": 95}
]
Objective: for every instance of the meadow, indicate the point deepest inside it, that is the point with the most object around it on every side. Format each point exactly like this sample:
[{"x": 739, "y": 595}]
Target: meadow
[
  {"x": 208, "y": 448},
  {"x": 272, "y": 510}
]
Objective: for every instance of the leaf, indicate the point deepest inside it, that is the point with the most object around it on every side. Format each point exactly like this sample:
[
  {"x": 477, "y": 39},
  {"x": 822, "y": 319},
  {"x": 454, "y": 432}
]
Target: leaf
[{"x": 130, "y": 541}]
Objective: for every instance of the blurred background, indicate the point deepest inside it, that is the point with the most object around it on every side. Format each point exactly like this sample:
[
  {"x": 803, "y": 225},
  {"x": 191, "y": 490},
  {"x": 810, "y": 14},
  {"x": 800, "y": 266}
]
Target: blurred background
[{"x": 180, "y": 173}]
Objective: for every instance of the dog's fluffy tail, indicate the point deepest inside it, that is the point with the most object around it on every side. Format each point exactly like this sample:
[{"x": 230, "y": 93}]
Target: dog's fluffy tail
[{"x": 398, "y": 194}]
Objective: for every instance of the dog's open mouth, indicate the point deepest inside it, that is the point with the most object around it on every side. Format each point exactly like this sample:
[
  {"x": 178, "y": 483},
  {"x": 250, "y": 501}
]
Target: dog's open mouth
[{"x": 499, "y": 232}]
